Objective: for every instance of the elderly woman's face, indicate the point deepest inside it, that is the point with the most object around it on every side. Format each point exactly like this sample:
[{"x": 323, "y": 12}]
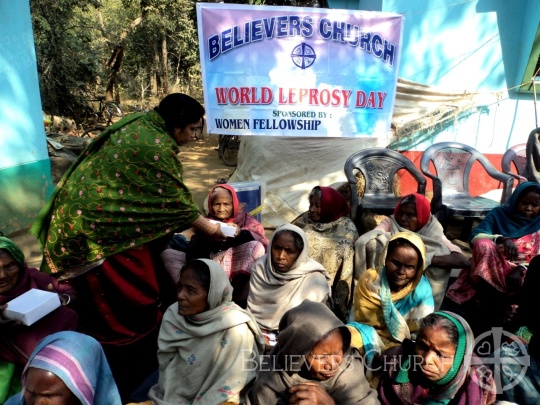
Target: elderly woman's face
[
  {"x": 9, "y": 271},
  {"x": 284, "y": 252},
  {"x": 326, "y": 356},
  {"x": 222, "y": 203},
  {"x": 436, "y": 353},
  {"x": 192, "y": 296},
  {"x": 406, "y": 217},
  {"x": 43, "y": 387},
  {"x": 401, "y": 267},
  {"x": 314, "y": 208}
]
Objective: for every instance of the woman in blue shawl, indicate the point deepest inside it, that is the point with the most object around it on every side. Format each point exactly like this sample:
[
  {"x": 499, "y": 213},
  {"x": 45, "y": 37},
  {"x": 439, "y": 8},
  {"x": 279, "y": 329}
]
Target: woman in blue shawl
[
  {"x": 503, "y": 245},
  {"x": 71, "y": 368}
]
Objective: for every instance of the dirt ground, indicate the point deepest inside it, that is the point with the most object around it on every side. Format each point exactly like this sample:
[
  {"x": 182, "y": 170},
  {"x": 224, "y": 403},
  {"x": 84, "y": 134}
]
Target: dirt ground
[{"x": 202, "y": 167}]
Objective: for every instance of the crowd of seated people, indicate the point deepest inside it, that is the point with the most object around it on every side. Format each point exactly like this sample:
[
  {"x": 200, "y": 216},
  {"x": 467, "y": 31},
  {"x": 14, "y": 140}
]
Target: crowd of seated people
[{"x": 304, "y": 322}]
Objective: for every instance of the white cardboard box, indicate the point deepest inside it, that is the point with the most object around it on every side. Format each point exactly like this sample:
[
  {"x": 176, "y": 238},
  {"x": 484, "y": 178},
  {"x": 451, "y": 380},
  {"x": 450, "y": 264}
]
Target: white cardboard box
[
  {"x": 31, "y": 306},
  {"x": 228, "y": 230}
]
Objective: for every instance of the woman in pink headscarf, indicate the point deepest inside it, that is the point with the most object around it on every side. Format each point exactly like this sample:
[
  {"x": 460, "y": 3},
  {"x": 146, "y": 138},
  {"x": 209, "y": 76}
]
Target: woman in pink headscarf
[
  {"x": 236, "y": 254},
  {"x": 331, "y": 235},
  {"x": 413, "y": 214}
]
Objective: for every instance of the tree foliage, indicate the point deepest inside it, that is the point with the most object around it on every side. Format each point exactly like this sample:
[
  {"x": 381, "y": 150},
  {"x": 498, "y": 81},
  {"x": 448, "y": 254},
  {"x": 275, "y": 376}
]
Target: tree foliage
[{"x": 120, "y": 49}]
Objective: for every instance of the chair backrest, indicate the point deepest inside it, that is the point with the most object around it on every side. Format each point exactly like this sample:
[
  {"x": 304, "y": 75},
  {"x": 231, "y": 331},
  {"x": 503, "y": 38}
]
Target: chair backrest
[
  {"x": 517, "y": 157},
  {"x": 453, "y": 162},
  {"x": 378, "y": 166}
]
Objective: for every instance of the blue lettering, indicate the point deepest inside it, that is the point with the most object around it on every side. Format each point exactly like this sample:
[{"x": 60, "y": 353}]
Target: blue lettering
[
  {"x": 365, "y": 41},
  {"x": 281, "y": 26},
  {"x": 307, "y": 26},
  {"x": 377, "y": 45},
  {"x": 338, "y": 33},
  {"x": 388, "y": 55},
  {"x": 269, "y": 27},
  {"x": 325, "y": 28},
  {"x": 237, "y": 37},
  {"x": 256, "y": 30},
  {"x": 226, "y": 40},
  {"x": 294, "y": 25},
  {"x": 213, "y": 46}
]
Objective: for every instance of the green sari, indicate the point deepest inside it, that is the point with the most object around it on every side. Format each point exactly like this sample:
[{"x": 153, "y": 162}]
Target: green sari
[{"x": 125, "y": 189}]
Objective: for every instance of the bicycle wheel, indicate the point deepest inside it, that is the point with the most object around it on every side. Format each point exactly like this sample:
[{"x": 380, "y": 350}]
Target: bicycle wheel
[
  {"x": 228, "y": 149},
  {"x": 93, "y": 132},
  {"x": 112, "y": 111}
]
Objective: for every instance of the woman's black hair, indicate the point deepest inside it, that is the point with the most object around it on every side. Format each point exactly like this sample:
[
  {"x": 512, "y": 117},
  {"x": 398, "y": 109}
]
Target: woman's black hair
[
  {"x": 438, "y": 321},
  {"x": 316, "y": 192},
  {"x": 179, "y": 110},
  {"x": 298, "y": 241},
  {"x": 404, "y": 242},
  {"x": 201, "y": 273},
  {"x": 408, "y": 200}
]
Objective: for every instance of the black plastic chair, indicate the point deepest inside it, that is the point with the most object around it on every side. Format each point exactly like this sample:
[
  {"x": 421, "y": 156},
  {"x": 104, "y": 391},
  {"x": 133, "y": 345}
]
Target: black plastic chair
[
  {"x": 453, "y": 162},
  {"x": 378, "y": 166},
  {"x": 516, "y": 156}
]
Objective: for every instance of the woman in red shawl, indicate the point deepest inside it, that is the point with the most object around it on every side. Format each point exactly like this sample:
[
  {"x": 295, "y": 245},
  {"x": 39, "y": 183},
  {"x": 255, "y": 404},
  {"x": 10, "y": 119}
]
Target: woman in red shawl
[
  {"x": 236, "y": 254},
  {"x": 413, "y": 214},
  {"x": 331, "y": 235},
  {"x": 18, "y": 341}
]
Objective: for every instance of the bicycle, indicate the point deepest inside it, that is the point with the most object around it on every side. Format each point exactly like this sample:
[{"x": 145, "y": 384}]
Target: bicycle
[
  {"x": 228, "y": 147},
  {"x": 106, "y": 113}
]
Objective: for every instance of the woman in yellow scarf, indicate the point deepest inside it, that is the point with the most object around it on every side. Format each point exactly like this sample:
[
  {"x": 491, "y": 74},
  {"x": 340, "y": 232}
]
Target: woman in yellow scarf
[{"x": 390, "y": 301}]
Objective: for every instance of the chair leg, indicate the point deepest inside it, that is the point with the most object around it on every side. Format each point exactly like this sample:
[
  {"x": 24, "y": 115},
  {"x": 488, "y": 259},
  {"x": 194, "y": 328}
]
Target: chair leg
[{"x": 466, "y": 229}]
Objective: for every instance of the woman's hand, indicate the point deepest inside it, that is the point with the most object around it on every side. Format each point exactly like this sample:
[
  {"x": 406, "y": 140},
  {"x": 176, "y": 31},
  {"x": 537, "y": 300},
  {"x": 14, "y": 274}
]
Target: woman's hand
[
  {"x": 310, "y": 393},
  {"x": 65, "y": 299},
  {"x": 510, "y": 248},
  {"x": 237, "y": 231},
  {"x": 5, "y": 322}
]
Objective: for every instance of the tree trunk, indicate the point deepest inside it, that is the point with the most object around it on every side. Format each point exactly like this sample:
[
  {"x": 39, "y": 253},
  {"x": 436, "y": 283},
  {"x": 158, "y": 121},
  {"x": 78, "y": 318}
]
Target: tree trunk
[
  {"x": 113, "y": 67},
  {"x": 115, "y": 61},
  {"x": 156, "y": 85},
  {"x": 164, "y": 64}
]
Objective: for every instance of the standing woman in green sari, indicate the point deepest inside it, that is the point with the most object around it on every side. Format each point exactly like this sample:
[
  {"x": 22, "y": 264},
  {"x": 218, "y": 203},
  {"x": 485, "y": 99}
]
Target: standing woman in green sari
[{"x": 111, "y": 212}]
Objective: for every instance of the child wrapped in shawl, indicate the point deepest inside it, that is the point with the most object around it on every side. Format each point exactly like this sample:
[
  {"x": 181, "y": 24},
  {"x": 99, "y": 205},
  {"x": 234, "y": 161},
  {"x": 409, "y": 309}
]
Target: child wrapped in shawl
[
  {"x": 235, "y": 254},
  {"x": 390, "y": 301},
  {"x": 413, "y": 214},
  {"x": 209, "y": 347},
  {"x": 440, "y": 368},
  {"x": 313, "y": 361},
  {"x": 331, "y": 235}
]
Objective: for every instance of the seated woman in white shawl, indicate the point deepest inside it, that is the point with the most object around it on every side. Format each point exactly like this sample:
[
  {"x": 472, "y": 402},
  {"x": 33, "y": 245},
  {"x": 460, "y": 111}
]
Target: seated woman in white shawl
[
  {"x": 204, "y": 342},
  {"x": 413, "y": 214},
  {"x": 283, "y": 278}
]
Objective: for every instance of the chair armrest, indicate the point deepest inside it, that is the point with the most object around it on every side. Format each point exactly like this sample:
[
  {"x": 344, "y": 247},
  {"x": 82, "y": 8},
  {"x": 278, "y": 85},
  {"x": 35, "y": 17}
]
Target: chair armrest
[{"x": 354, "y": 200}]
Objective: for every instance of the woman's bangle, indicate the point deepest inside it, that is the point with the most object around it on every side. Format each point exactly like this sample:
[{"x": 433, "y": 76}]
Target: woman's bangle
[{"x": 68, "y": 298}]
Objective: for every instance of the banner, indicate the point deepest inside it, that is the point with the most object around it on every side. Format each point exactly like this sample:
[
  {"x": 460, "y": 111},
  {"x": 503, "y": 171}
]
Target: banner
[{"x": 291, "y": 71}]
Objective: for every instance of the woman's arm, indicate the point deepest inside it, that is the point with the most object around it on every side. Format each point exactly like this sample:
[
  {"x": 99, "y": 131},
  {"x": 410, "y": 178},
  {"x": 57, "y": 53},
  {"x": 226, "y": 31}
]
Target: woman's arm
[
  {"x": 454, "y": 260},
  {"x": 204, "y": 226}
]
